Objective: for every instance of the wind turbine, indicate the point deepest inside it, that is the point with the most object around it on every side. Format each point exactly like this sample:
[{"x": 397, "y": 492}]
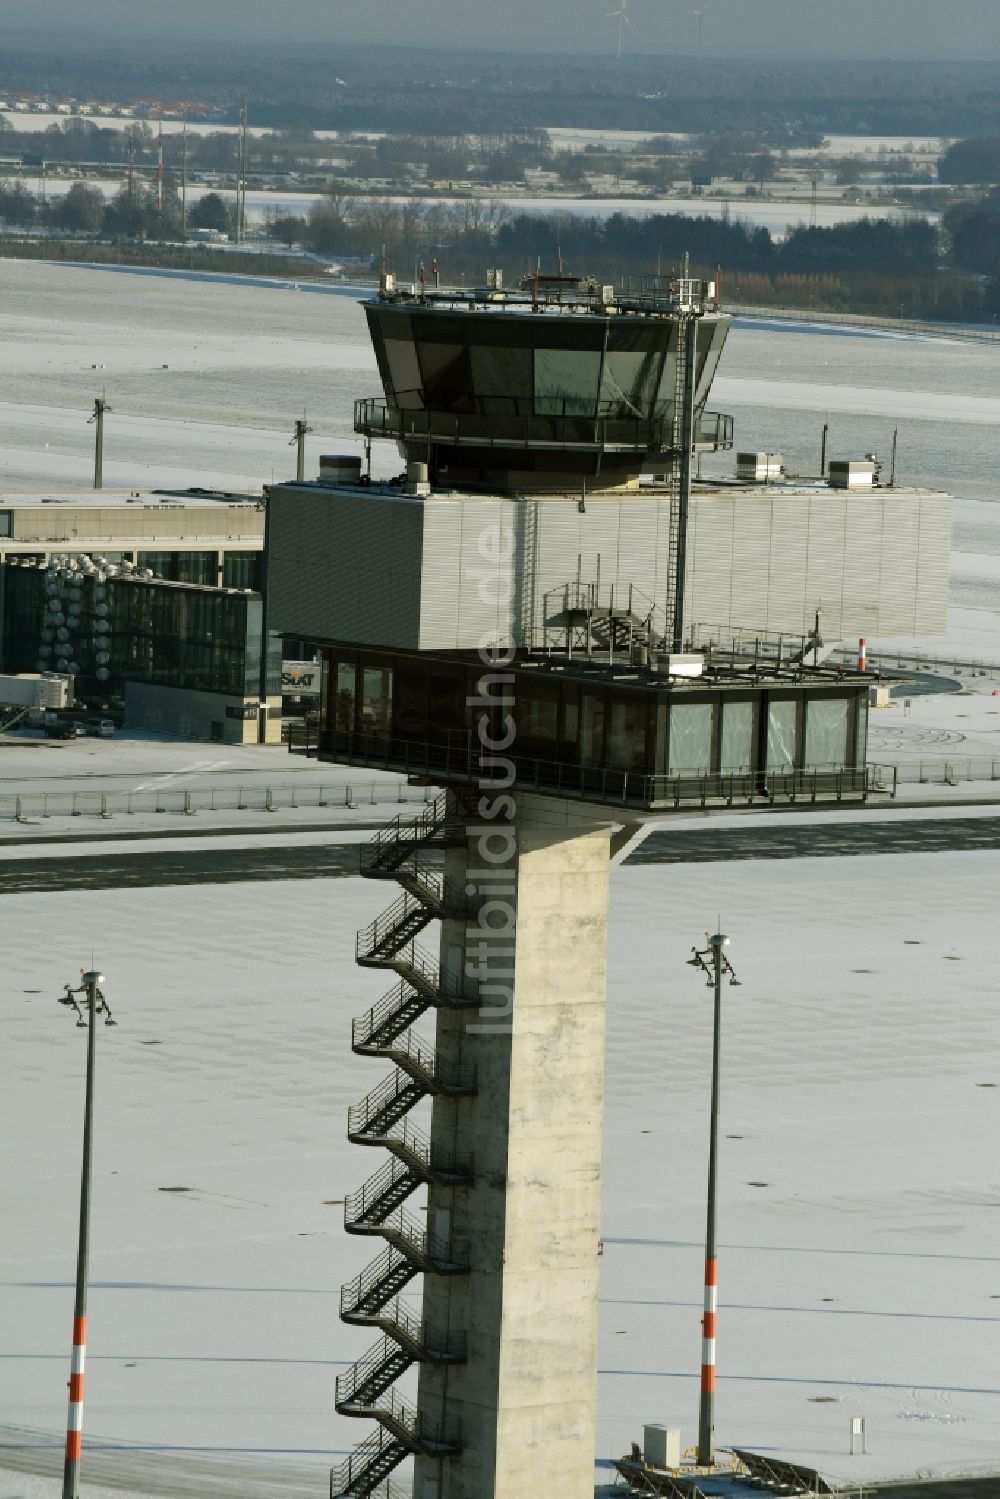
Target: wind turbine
[
  {"x": 701, "y": 26},
  {"x": 621, "y": 16}
]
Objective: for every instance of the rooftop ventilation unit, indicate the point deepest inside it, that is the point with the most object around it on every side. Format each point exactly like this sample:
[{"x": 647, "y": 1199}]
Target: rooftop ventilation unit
[
  {"x": 339, "y": 468},
  {"x": 845, "y": 475},
  {"x": 760, "y": 467},
  {"x": 681, "y": 664}
]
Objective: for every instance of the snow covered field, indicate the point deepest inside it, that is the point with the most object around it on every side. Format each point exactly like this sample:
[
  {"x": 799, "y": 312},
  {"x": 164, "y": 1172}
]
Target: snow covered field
[
  {"x": 777, "y": 216},
  {"x": 859, "y": 1269}
]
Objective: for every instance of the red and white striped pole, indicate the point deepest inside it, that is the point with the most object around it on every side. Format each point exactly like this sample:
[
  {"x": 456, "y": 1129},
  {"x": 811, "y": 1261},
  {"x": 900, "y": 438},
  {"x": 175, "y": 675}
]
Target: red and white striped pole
[
  {"x": 706, "y": 1409},
  {"x": 712, "y": 962},
  {"x": 74, "y": 1426},
  {"x": 862, "y": 654},
  {"x": 708, "y": 1334}
]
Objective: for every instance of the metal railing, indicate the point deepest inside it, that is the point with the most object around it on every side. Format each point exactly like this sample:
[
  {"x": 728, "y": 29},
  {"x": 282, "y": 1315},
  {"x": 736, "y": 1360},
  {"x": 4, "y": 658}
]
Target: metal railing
[
  {"x": 401, "y": 1001},
  {"x": 604, "y": 784},
  {"x": 920, "y": 661},
  {"x": 105, "y": 804},
  {"x": 396, "y": 844},
  {"x": 367, "y": 1381},
  {"x": 381, "y": 1109},
  {"x": 392, "y": 930},
  {"x": 888, "y": 777},
  {"x": 377, "y": 1285},
  {"x": 861, "y": 320},
  {"x": 383, "y": 1192},
  {"x": 521, "y": 426},
  {"x": 419, "y": 1059},
  {"x": 380, "y": 1452}
]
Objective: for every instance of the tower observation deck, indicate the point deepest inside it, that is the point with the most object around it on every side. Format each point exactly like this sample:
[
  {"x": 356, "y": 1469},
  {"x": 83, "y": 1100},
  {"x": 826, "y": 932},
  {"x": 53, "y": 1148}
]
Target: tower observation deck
[
  {"x": 511, "y": 621},
  {"x": 559, "y": 385}
]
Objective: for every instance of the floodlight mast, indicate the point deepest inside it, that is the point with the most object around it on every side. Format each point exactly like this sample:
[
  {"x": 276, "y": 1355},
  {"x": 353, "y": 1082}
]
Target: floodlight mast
[
  {"x": 715, "y": 965},
  {"x": 96, "y": 1005}
]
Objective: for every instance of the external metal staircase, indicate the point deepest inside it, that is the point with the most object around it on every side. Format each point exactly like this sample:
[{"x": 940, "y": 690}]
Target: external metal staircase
[
  {"x": 401, "y": 852},
  {"x": 593, "y": 617}
]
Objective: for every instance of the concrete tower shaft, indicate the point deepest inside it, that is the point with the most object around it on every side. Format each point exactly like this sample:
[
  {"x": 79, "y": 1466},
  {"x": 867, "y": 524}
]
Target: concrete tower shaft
[{"x": 534, "y": 957}]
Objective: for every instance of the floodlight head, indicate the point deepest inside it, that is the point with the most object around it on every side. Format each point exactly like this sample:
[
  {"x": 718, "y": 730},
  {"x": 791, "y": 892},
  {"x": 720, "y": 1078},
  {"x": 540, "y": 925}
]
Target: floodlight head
[
  {"x": 108, "y": 1020},
  {"x": 735, "y": 983}
]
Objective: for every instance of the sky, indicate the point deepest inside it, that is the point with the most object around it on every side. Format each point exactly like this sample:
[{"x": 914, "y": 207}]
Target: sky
[{"x": 886, "y": 29}]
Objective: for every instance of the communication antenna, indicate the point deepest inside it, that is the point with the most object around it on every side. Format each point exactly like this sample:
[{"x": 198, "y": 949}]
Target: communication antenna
[
  {"x": 97, "y": 418},
  {"x": 302, "y": 428}
]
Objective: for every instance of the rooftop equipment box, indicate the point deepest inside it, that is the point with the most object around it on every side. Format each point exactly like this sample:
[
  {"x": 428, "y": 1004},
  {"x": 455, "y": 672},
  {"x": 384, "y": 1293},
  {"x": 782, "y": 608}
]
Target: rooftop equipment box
[
  {"x": 759, "y": 466},
  {"x": 845, "y": 475},
  {"x": 661, "y": 1446}
]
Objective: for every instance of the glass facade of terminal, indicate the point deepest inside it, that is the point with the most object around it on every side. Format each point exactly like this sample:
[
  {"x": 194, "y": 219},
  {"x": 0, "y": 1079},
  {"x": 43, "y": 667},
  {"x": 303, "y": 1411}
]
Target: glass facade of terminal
[{"x": 164, "y": 634}]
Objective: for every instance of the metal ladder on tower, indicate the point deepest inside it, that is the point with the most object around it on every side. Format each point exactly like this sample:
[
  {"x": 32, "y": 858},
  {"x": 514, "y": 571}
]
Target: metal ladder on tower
[
  {"x": 685, "y": 330},
  {"x": 373, "y": 1299}
]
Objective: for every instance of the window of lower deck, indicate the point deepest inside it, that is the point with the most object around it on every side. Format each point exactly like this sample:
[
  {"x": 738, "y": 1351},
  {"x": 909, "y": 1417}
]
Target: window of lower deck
[
  {"x": 782, "y": 722},
  {"x": 827, "y": 725},
  {"x": 691, "y": 738}
]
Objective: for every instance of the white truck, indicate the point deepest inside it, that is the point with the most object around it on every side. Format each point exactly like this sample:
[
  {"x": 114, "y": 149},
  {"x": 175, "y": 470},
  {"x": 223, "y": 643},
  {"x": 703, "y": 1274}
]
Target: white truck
[{"x": 31, "y": 689}]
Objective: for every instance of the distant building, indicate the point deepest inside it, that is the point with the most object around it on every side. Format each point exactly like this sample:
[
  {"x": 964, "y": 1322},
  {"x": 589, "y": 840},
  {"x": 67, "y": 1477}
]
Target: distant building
[{"x": 179, "y": 658}]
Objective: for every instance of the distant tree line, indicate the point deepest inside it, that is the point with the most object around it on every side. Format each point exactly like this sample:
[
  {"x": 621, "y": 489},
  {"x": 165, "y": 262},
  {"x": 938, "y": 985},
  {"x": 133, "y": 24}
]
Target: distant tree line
[
  {"x": 908, "y": 267},
  {"x": 414, "y": 89}
]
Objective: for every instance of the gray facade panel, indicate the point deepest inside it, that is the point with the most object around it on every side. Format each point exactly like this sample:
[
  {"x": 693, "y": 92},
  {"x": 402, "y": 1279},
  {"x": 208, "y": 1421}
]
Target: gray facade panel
[
  {"x": 345, "y": 565},
  {"x": 872, "y": 564},
  {"x": 451, "y": 573}
]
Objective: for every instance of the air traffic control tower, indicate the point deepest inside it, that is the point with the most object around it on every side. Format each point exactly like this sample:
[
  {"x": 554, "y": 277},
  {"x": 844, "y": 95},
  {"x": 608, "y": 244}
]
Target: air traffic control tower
[{"x": 510, "y": 621}]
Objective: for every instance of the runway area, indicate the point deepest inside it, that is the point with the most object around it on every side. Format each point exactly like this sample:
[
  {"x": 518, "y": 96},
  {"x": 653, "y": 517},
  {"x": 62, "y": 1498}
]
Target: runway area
[{"x": 118, "y": 868}]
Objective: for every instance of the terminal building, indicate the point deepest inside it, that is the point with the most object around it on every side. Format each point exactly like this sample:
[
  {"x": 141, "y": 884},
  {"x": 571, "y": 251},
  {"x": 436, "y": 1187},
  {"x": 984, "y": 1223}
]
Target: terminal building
[
  {"x": 548, "y": 616},
  {"x": 181, "y": 659},
  {"x": 186, "y": 536},
  {"x": 179, "y": 648}
]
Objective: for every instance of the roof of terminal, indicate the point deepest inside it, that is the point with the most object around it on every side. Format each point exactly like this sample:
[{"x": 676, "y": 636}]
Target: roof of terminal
[{"x": 155, "y": 498}]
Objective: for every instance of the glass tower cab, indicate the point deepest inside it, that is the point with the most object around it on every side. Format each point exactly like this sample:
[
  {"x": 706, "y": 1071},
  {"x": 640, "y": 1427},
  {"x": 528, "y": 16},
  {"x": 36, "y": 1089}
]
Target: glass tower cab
[{"x": 562, "y": 384}]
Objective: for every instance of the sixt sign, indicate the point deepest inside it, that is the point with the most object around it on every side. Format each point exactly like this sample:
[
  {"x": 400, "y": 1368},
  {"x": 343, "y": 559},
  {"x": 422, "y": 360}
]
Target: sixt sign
[{"x": 301, "y": 677}]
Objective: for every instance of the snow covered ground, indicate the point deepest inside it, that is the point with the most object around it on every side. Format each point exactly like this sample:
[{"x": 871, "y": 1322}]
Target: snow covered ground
[
  {"x": 859, "y": 1272},
  {"x": 859, "y": 1269},
  {"x": 777, "y": 216}
]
